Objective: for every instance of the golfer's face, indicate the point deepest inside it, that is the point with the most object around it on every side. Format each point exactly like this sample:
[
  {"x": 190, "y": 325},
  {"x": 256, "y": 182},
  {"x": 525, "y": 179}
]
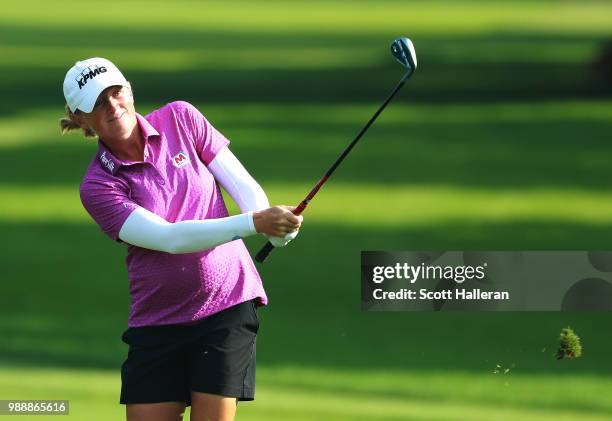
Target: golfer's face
[{"x": 113, "y": 116}]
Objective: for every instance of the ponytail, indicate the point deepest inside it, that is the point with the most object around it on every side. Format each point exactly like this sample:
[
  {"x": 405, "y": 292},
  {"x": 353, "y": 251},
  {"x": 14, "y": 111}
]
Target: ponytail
[{"x": 67, "y": 125}]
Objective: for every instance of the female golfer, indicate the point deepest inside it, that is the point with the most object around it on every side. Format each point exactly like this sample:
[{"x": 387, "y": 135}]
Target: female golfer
[{"x": 154, "y": 184}]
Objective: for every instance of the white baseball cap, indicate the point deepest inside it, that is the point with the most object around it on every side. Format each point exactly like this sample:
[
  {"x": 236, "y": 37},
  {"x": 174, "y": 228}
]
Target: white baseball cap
[{"x": 87, "y": 79}]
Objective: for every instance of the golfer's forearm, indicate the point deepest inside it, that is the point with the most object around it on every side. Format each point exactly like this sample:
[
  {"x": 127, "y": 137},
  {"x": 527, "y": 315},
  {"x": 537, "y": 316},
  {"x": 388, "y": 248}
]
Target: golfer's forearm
[
  {"x": 147, "y": 230},
  {"x": 235, "y": 179}
]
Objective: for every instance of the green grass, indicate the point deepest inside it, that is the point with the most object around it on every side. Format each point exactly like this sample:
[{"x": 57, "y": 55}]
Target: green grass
[
  {"x": 308, "y": 393},
  {"x": 322, "y": 17},
  {"x": 499, "y": 142},
  {"x": 395, "y": 206}
]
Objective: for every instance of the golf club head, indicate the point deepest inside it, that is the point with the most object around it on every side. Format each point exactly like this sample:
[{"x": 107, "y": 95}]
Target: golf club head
[{"x": 403, "y": 51}]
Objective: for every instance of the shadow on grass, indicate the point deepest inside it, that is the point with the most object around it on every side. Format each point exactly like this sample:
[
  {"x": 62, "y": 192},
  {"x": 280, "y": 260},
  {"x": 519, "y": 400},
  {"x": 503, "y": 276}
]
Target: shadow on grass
[
  {"x": 64, "y": 303},
  {"x": 440, "y": 77},
  {"x": 522, "y": 154},
  {"x": 465, "y": 83},
  {"x": 167, "y": 38}
]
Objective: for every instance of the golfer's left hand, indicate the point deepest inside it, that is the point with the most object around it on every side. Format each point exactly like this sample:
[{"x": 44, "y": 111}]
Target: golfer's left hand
[{"x": 282, "y": 241}]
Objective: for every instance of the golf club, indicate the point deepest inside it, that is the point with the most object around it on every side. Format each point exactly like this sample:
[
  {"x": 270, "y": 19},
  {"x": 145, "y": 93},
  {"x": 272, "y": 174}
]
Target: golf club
[{"x": 403, "y": 50}]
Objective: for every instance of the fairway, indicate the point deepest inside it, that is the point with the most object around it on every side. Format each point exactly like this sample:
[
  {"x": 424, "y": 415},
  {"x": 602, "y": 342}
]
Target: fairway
[
  {"x": 310, "y": 394},
  {"x": 500, "y": 141}
]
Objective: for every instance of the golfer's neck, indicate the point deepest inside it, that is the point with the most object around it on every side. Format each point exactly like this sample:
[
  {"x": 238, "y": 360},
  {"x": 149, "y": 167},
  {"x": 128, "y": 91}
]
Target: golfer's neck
[{"x": 129, "y": 149}]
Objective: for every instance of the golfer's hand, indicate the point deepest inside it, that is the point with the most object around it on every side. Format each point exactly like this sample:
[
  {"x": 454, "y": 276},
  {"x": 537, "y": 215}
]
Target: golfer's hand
[
  {"x": 282, "y": 241},
  {"x": 277, "y": 221}
]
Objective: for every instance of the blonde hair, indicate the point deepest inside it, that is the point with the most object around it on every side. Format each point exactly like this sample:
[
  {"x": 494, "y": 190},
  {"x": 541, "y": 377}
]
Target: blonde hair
[{"x": 67, "y": 125}]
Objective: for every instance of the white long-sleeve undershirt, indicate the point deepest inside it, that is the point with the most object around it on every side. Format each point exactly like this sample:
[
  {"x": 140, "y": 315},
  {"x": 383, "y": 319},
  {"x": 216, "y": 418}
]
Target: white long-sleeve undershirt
[
  {"x": 148, "y": 230},
  {"x": 236, "y": 180},
  {"x": 245, "y": 191}
]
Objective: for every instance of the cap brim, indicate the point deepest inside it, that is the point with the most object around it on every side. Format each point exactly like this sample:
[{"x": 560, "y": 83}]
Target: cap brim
[{"x": 98, "y": 85}]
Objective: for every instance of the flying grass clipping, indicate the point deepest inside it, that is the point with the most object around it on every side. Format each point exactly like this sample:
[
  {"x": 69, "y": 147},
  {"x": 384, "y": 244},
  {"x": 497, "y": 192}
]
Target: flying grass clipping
[{"x": 569, "y": 345}]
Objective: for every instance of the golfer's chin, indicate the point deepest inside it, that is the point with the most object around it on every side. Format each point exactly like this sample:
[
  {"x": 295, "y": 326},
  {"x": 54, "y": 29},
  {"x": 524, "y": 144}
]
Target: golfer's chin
[{"x": 121, "y": 128}]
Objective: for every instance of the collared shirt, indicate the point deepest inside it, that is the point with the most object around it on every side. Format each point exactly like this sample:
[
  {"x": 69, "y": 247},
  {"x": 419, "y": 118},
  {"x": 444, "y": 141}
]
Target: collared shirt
[{"x": 173, "y": 182}]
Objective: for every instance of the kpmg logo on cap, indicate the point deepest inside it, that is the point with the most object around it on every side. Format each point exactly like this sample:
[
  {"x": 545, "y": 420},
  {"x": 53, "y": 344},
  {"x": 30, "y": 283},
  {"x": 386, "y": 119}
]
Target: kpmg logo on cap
[
  {"x": 180, "y": 159},
  {"x": 88, "y": 74}
]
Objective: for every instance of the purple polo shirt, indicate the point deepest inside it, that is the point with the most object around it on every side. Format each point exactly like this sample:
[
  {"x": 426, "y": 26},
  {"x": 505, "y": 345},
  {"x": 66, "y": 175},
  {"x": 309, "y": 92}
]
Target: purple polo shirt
[{"x": 173, "y": 182}]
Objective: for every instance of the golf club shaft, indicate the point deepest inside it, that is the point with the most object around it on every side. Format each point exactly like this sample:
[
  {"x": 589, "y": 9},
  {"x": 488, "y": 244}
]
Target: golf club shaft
[{"x": 268, "y": 247}]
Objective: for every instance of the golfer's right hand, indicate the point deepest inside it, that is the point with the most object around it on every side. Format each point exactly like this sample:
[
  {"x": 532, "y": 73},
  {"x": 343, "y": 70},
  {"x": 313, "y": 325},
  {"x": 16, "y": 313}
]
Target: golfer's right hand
[{"x": 277, "y": 221}]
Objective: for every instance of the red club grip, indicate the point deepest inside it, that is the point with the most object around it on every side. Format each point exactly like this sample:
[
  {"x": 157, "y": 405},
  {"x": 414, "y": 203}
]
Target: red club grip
[{"x": 262, "y": 254}]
